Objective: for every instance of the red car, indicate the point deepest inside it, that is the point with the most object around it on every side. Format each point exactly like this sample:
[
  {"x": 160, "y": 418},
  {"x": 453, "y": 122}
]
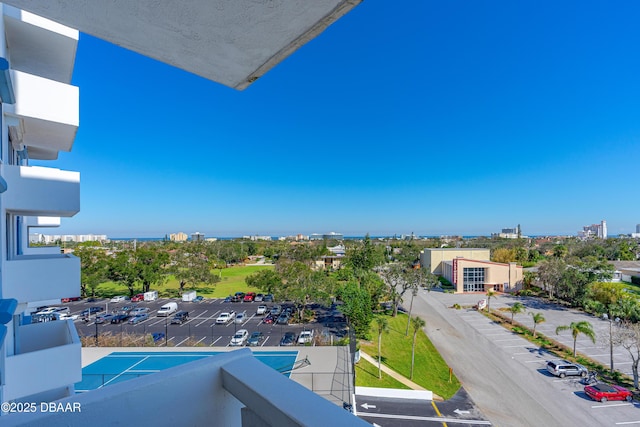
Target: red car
[
  {"x": 603, "y": 392},
  {"x": 139, "y": 297},
  {"x": 71, "y": 299},
  {"x": 249, "y": 297}
]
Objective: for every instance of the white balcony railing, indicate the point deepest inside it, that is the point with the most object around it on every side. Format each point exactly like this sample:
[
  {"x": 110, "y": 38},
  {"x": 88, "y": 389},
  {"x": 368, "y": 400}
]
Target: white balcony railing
[
  {"x": 32, "y": 278},
  {"x": 227, "y": 390},
  {"x": 36, "y": 190},
  {"x": 48, "y": 357}
]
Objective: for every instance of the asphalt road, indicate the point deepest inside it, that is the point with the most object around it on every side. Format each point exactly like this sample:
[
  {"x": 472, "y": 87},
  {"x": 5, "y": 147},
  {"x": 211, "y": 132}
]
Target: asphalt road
[{"x": 201, "y": 327}]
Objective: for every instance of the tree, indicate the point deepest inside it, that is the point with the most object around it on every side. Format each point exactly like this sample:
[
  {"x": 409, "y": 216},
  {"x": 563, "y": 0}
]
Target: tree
[
  {"x": 516, "y": 308},
  {"x": 190, "y": 265},
  {"x": 364, "y": 257},
  {"x": 94, "y": 268},
  {"x": 357, "y": 307},
  {"x": 266, "y": 280},
  {"x": 537, "y": 319},
  {"x": 417, "y": 324},
  {"x": 627, "y": 336},
  {"x": 490, "y": 294},
  {"x": 150, "y": 266},
  {"x": 398, "y": 282},
  {"x": 610, "y": 296},
  {"x": 577, "y": 328},
  {"x": 122, "y": 269},
  {"x": 550, "y": 273},
  {"x": 382, "y": 326}
]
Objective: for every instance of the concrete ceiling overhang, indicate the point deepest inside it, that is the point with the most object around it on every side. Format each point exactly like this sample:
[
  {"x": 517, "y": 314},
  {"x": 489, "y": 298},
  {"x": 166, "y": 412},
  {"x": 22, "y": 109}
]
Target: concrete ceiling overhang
[{"x": 232, "y": 42}]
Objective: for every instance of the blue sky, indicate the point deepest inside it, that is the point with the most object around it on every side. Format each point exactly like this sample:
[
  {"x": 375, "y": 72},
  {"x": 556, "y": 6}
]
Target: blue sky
[{"x": 432, "y": 117}]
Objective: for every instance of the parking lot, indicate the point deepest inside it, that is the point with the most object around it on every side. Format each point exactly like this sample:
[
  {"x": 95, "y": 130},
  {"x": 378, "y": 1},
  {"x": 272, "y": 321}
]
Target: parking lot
[
  {"x": 201, "y": 328},
  {"x": 516, "y": 379}
]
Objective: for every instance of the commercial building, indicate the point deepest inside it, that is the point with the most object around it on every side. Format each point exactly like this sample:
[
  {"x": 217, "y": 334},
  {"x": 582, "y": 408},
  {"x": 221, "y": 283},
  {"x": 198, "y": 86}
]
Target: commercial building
[
  {"x": 233, "y": 43},
  {"x": 326, "y": 236},
  {"x": 470, "y": 270}
]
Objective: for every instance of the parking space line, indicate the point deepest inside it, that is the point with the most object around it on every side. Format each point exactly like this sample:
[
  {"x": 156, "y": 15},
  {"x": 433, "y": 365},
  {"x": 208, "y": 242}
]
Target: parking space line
[
  {"x": 628, "y": 422},
  {"x": 200, "y": 340},
  {"x": 602, "y": 355},
  {"x": 265, "y": 341},
  {"x": 509, "y": 339},
  {"x": 534, "y": 361},
  {"x": 212, "y": 344},
  {"x": 512, "y": 346},
  {"x": 612, "y": 405},
  {"x": 182, "y": 341}
]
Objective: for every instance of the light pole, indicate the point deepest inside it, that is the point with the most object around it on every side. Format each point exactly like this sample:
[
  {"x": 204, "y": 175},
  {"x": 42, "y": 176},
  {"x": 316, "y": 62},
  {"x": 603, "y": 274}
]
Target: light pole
[{"x": 95, "y": 323}]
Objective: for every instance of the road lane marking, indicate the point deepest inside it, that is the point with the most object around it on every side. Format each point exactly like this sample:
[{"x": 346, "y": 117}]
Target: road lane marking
[
  {"x": 628, "y": 422},
  {"x": 416, "y": 418},
  {"x": 438, "y": 412}
]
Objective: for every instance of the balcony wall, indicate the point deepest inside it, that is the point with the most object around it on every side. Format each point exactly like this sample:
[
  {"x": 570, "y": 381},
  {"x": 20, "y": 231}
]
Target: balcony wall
[
  {"x": 35, "y": 190},
  {"x": 48, "y": 357},
  {"x": 211, "y": 392},
  {"x": 41, "y": 278},
  {"x": 49, "y": 111}
]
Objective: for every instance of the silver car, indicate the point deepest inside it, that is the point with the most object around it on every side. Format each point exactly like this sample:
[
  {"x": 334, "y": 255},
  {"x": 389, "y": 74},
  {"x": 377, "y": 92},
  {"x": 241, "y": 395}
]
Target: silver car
[{"x": 562, "y": 368}]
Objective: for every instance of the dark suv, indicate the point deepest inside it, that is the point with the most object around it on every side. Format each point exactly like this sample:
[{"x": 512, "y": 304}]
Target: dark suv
[
  {"x": 562, "y": 368},
  {"x": 180, "y": 317}
]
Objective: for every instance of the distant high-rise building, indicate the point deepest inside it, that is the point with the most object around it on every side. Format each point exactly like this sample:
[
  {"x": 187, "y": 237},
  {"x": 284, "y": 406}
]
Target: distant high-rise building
[
  {"x": 638, "y": 228},
  {"x": 197, "y": 237},
  {"x": 594, "y": 230},
  {"x": 178, "y": 237}
]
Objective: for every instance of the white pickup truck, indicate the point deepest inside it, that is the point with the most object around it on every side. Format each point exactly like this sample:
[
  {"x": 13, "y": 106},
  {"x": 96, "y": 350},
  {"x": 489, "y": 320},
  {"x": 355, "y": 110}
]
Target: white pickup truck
[{"x": 225, "y": 317}]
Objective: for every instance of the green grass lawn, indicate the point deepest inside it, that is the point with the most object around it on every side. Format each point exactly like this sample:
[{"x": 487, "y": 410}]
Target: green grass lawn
[
  {"x": 232, "y": 282},
  {"x": 367, "y": 376},
  {"x": 430, "y": 370}
]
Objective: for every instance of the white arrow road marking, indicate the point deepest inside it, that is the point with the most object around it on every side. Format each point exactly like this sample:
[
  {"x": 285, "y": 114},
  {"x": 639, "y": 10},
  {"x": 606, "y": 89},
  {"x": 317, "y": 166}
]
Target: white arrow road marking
[
  {"x": 367, "y": 406},
  {"x": 459, "y": 412}
]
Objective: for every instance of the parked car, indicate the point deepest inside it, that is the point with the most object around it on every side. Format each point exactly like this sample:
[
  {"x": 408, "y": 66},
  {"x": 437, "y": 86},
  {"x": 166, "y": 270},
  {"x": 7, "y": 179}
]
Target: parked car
[
  {"x": 180, "y": 317},
  {"x": 249, "y": 297},
  {"x": 268, "y": 319},
  {"x": 168, "y": 309},
  {"x": 104, "y": 318},
  {"x": 137, "y": 298},
  {"x": 52, "y": 310},
  {"x": 276, "y": 310},
  {"x": 228, "y": 299},
  {"x": 65, "y": 316},
  {"x": 119, "y": 298},
  {"x": 261, "y": 310},
  {"x": 199, "y": 298},
  {"x": 603, "y": 392},
  {"x": 238, "y": 297},
  {"x": 241, "y": 317},
  {"x": 225, "y": 317},
  {"x": 259, "y": 298},
  {"x": 157, "y": 336},
  {"x": 138, "y": 318},
  {"x": 239, "y": 338},
  {"x": 91, "y": 310},
  {"x": 268, "y": 298},
  {"x": 283, "y": 319},
  {"x": 289, "y": 338},
  {"x": 255, "y": 339},
  {"x": 305, "y": 337},
  {"x": 562, "y": 368},
  {"x": 71, "y": 299},
  {"x": 119, "y": 318},
  {"x": 138, "y": 310}
]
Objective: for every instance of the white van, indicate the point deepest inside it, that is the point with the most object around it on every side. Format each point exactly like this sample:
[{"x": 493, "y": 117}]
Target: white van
[{"x": 168, "y": 309}]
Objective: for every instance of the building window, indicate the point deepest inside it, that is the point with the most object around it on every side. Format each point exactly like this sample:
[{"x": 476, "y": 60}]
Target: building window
[{"x": 473, "y": 279}]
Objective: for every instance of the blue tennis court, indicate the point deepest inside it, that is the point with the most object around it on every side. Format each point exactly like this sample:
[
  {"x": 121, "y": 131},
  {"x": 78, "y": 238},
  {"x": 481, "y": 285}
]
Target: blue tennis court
[{"x": 123, "y": 365}]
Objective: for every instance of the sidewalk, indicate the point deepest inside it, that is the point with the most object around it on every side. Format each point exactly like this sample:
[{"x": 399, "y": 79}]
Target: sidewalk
[{"x": 396, "y": 375}]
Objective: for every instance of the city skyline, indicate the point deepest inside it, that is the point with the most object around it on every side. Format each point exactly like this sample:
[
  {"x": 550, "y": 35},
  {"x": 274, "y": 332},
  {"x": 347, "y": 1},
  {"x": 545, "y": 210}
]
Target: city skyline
[{"x": 436, "y": 119}]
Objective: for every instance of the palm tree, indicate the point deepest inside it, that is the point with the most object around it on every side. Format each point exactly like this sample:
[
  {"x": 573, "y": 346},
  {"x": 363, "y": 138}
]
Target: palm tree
[
  {"x": 383, "y": 326},
  {"x": 417, "y": 324},
  {"x": 516, "y": 308},
  {"x": 490, "y": 293},
  {"x": 577, "y": 328},
  {"x": 537, "y": 318}
]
